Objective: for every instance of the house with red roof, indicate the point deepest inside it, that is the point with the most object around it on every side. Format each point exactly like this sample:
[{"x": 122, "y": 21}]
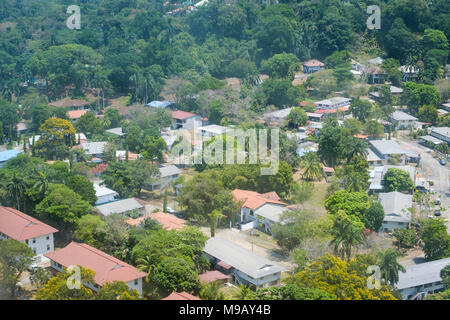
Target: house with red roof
[
  {"x": 214, "y": 275},
  {"x": 312, "y": 66},
  {"x": 167, "y": 221},
  {"x": 259, "y": 210},
  {"x": 23, "y": 228},
  {"x": 107, "y": 268},
  {"x": 76, "y": 114},
  {"x": 186, "y": 120},
  {"x": 181, "y": 296}
]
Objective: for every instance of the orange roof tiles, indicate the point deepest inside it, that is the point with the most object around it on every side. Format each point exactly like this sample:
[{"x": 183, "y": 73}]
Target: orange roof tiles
[
  {"x": 107, "y": 268},
  {"x": 168, "y": 221},
  {"x": 211, "y": 276},
  {"x": 313, "y": 63},
  {"x": 69, "y": 103},
  {"x": 181, "y": 296},
  {"x": 181, "y": 115},
  {"x": 76, "y": 114},
  {"x": 253, "y": 200},
  {"x": 19, "y": 226}
]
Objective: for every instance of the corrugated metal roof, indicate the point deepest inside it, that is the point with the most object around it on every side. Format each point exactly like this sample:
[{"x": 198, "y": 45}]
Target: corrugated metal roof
[{"x": 420, "y": 274}]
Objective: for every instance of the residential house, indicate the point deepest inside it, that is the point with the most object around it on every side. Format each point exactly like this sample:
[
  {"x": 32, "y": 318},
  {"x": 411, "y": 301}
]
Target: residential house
[
  {"x": 121, "y": 155},
  {"x": 421, "y": 279},
  {"x": 181, "y": 296},
  {"x": 258, "y": 210},
  {"x": 385, "y": 150},
  {"x": 409, "y": 73},
  {"x": 316, "y": 117},
  {"x": 121, "y": 206},
  {"x": 377, "y": 176},
  {"x": 277, "y": 116},
  {"x": 245, "y": 266},
  {"x": 312, "y": 66},
  {"x": 375, "y": 75},
  {"x": 7, "y": 155},
  {"x": 167, "y": 174},
  {"x": 185, "y": 120},
  {"x": 107, "y": 268},
  {"x": 396, "y": 213},
  {"x": 332, "y": 105},
  {"x": 116, "y": 131},
  {"x": 159, "y": 104},
  {"x": 212, "y": 130},
  {"x": 442, "y": 133},
  {"x": 213, "y": 276},
  {"x": 427, "y": 139},
  {"x": 94, "y": 149},
  {"x": 167, "y": 221},
  {"x": 402, "y": 120},
  {"x": 22, "y": 127},
  {"x": 23, "y": 228},
  {"x": 375, "y": 61},
  {"x": 104, "y": 194},
  {"x": 74, "y": 115}
]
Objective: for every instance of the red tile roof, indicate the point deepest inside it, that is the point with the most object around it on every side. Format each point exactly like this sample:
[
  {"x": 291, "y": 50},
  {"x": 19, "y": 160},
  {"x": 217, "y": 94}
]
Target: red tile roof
[
  {"x": 181, "y": 115},
  {"x": 181, "y": 296},
  {"x": 313, "y": 63},
  {"x": 168, "y": 221},
  {"x": 19, "y": 226},
  {"x": 224, "y": 265},
  {"x": 107, "y": 268},
  {"x": 253, "y": 200},
  {"x": 76, "y": 114},
  {"x": 211, "y": 276},
  {"x": 360, "y": 136}
]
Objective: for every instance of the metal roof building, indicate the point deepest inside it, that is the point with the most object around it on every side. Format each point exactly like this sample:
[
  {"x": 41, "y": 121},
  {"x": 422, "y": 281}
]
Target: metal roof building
[
  {"x": 120, "y": 206},
  {"x": 248, "y": 267},
  {"x": 423, "y": 277}
]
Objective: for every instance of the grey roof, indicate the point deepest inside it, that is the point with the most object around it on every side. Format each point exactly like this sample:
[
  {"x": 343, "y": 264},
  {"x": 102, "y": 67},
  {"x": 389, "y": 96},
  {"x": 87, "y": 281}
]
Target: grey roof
[
  {"x": 443, "y": 131},
  {"x": 431, "y": 139},
  {"x": 377, "y": 60},
  {"x": 168, "y": 171},
  {"x": 240, "y": 258},
  {"x": 402, "y": 116},
  {"x": 395, "y": 206},
  {"x": 420, "y": 274},
  {"x": 271, "y": 212},
  {"x": 214, "y": 128},
  {"x": 387, "y": 147},
  {"x": 103, "y": 191},
  {"x": 283, "y": 113},
  {"x": 333, "y": 101},
  {"x": 94, "y": 147},
  {"x": 116, "y": 131},
  {"x": 120, "y": 206},
  {"x": 372, "y": 156}
]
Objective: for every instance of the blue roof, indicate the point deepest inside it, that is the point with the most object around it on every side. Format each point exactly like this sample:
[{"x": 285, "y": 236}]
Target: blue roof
[
  {"x": 8, "y": 154},
  {"x": 159, "y": 104}
]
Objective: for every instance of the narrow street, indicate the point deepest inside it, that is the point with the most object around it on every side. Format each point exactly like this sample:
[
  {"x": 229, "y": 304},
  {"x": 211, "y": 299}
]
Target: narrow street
[{"x": 431, "y": 169}]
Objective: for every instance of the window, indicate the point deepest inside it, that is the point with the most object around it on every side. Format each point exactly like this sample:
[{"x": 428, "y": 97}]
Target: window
[
  {"x": 48, "y": 247},
  {"x": 48, "y": 237},
  {"x": 34, "y": 250},
  {"x": 135, "y": 282},
  {"x": 34, "y": 240}
]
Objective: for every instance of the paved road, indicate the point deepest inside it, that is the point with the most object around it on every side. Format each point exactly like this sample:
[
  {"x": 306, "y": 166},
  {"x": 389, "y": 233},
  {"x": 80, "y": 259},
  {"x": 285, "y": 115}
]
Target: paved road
[{"x": 432, "y": 170}]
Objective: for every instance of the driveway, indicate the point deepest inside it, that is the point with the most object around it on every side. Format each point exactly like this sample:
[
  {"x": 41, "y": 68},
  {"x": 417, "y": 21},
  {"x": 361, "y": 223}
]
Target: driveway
[{"x": 431, "y": 169}]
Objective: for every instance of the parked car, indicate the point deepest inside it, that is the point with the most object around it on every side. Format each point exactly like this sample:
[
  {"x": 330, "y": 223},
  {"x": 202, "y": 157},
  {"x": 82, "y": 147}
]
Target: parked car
[
  {"x": 437, "y": 201},
  {"x": 442, "y": 161},
  {"x": 437, "y": 213},
  {"x": 170, "y": 210}
]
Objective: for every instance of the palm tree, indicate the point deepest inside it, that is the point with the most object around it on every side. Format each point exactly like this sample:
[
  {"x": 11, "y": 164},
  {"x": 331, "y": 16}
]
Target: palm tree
[
  {"x": 215, "y": 216},
  {"x": 389, "y": 266},
  {"x": 41, "y": 184},
  {"x": 211, "y": 291},
  {"x": 16, "y": 189},
  {"x": 245, "y": 293},
  {"x": 145, "y": 264},
  {"x": 356, "y": 147},
  {"x": 312, "y": 166},
  {"x": 347, "y": 235}
]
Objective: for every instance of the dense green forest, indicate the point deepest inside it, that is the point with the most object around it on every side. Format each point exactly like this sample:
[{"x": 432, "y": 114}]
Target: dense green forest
[{"x": 132, "y": 47}]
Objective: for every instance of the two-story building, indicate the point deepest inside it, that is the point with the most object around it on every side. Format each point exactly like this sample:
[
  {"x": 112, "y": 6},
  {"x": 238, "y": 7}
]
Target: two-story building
[
  {"x": 185, "y": 120},
  {"x": 258, "y": 210},
  {"x": 107, "y": 268},
  {"x": 312, "y": 66},
  {"x": 402, "y": 120},
  {"x": 23, "y": 228},
  {"x": 332, "y": 105}
]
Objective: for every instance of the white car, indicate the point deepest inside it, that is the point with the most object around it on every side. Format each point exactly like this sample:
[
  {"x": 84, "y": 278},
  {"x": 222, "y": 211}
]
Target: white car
[{"x": 170, "y": 210}]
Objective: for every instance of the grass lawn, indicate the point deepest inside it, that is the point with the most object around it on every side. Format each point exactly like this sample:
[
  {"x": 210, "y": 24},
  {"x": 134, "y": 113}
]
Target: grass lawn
[{"x": 230, "y": 292}]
